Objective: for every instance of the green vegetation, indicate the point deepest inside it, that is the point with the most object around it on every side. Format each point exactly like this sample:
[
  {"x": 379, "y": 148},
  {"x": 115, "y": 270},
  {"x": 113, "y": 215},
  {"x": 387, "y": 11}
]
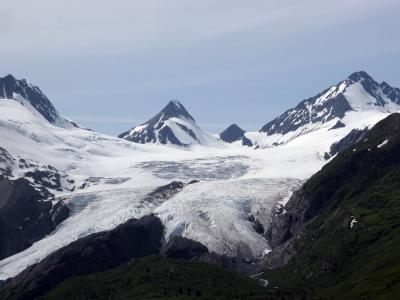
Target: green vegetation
[
  {"x": 336, "y": 261},
  {"x": 161, "y": 278}
]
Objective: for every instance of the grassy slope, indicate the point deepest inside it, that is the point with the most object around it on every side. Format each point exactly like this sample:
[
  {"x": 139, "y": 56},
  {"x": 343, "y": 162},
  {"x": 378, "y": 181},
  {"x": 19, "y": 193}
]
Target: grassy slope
[
  {"x": 363, "y": 262},
  {"x": 161, "y": 278}
]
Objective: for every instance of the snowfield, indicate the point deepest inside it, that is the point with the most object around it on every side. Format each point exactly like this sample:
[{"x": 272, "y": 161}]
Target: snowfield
[{"x": 111, "y": 176}]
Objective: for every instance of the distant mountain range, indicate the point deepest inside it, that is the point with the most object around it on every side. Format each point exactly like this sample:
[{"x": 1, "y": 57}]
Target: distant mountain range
[
  {"x": 357, "y": 93},
  {"x": 174, "y": 125}
]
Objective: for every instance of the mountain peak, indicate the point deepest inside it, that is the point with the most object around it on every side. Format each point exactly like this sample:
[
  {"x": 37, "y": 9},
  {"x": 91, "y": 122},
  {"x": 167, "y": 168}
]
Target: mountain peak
[
  {"x": 172, "y": 125},
  {"x": 234, "y": 133},
  {"x": 26, "y": 93},
  {"x": 175, "y": 109},
  {"x": 9, "y": 77},
  {"x": 358, "y": 92},
  {"x": 360, "y": 76},
  {"x": 233, "y": 128},
  {"x": 175, "y": 103}
]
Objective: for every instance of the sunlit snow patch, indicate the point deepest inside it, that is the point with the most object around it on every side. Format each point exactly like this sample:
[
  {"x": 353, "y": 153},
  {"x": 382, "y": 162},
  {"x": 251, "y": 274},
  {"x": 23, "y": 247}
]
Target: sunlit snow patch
[{"x": 383, "y": 143}]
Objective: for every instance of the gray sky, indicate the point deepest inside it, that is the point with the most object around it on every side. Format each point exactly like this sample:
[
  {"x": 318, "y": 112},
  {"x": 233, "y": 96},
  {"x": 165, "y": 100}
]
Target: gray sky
[{"x": 112, "y": 64}]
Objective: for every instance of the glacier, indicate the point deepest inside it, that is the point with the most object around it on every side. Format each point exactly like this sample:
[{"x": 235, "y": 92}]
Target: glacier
[{"x": 108, "y": 177}]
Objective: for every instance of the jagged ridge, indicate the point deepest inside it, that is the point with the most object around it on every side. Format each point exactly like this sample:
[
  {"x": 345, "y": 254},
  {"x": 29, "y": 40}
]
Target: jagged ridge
[
  {"x": 28, "y": 94},
  {"x": 357, "y": 92}
]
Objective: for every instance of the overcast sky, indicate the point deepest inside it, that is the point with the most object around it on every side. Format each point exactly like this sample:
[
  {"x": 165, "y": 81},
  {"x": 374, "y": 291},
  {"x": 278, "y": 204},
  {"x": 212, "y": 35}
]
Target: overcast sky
[{"x": 112, "y": 64}]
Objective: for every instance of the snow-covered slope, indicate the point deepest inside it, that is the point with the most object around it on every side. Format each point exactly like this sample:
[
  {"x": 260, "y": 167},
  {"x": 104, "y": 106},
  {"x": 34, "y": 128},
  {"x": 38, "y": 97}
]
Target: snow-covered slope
[
  {"x": 341, "y": 105},
  {"x": 173, "y": 125},
  {"x": 110, "y": 177},
  {"x": 104, "y": 179}
]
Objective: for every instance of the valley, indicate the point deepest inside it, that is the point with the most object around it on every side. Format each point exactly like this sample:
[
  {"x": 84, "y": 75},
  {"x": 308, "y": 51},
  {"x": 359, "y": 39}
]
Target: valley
[{"x": 221, "y": 191}]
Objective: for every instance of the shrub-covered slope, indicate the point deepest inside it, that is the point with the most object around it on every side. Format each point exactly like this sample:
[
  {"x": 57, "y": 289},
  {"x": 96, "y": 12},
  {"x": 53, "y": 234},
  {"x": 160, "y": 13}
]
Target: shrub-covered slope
[
  {"x": 344, "y": 225},
  {"x": 161, "y": 278}
]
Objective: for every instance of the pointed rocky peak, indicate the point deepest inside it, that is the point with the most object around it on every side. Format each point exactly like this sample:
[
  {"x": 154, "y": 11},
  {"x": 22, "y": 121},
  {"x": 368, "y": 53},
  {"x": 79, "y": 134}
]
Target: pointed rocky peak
[
  {"x": 358, "y": 92},
  {"x": 360, "y": 76},
  {"x": 173, "y": 125},
  {"x": 9, "y": 85},
  {"x": 175, "y": 109},
  {"x": 382, "y": 92},
  {"x": 10, "y": 77},
  {"x": 30, "y": 95},
  {"x": 367, "y": 82},
  {"x": 232, "y": 134},
  {"x": 390, "y": 92}
]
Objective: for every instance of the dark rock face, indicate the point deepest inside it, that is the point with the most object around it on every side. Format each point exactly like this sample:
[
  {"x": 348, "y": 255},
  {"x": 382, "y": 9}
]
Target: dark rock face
[
  {"x": 390, "y": 92},
  {"x": 26, "y": 215},
  {"x": 165, "y": 192},
  {"x": 174, "y": 109},
  {"x": 188, "y": 131},
  {"x": 43, "y": 176},
  {"x": 94, "y": 253},
  {"x": 353, "y": 137},
  {"x": 258, "y": 227},
  {"x": 288, "y": 223},
  {"x": 301, "y": 115},
  {"x": 287, "y": 226},
  {"x": 155, "y": 129},
  {"x": 338, "y": 125},
  {"x": 183, "y": 248},
  {"x": 247, "y": 142},
  {"x": 59, "y": 213},
  {"x": 334, "y": 104},
  {"x": 166, "y": 135},
  {"x": 46, "y": 176},
  {"x": 50, "y": 178},
  {"x": 7, "y": 162},
  {"x": 234, "y": 133},
  {"x": 9, "y": 86}
]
